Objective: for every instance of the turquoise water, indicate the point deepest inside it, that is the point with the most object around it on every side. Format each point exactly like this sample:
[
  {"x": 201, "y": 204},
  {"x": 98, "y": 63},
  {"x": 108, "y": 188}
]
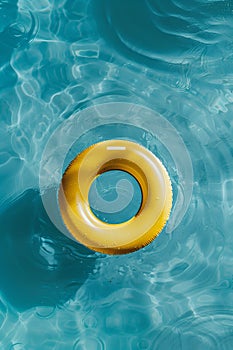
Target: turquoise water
[{"x": 77, "y": 72}]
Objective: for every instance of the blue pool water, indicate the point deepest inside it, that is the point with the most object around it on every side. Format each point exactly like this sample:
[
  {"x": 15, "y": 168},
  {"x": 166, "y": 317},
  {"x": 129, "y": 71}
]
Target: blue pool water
[{"x": 75, "y": 72}]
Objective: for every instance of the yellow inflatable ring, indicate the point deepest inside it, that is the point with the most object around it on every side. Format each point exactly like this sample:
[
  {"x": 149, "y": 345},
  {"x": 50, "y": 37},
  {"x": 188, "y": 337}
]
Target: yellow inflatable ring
[{"x": 128, "y": 236}]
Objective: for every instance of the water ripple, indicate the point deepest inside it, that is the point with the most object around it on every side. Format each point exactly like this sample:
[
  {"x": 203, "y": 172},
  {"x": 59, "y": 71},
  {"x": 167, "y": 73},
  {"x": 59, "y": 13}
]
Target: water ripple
[
  {"x": 20, "y": 33},
  {"x": 171, "y": 31},
  {"x": 206, "y": 328},
  {"x": 57, "y": 59}
]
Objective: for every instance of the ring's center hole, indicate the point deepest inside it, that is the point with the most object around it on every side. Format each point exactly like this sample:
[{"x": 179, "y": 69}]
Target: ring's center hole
[{"x": 115, "y": 196}]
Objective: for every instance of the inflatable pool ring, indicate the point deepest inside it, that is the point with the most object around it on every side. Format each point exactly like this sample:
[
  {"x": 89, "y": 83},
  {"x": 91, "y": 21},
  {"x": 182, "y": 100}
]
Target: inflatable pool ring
[{"x": 155, "y": 207}]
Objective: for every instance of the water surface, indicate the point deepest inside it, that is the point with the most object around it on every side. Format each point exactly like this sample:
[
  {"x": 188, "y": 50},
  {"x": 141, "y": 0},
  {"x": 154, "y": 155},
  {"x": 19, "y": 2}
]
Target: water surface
[{"x": 60, "y": 57}]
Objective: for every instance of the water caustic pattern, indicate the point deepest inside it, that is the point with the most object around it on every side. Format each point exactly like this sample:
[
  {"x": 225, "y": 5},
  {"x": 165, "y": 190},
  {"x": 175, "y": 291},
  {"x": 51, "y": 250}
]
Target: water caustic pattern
[{"x": 61, "y": 59}]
